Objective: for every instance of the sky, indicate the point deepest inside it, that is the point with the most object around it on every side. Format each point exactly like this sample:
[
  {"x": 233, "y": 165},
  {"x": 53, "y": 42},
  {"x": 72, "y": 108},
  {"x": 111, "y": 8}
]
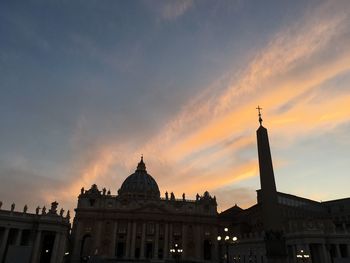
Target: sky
[{"x": 86, "y": 87}]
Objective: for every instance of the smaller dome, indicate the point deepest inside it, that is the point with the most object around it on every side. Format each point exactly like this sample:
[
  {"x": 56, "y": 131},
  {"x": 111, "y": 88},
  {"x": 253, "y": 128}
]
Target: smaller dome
[{"x": 140, "y": 184}]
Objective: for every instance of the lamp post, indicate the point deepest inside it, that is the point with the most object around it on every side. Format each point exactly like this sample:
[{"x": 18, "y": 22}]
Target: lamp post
[
  {"x": 302, "y": 256},
  {"x": 227, "y": 240},
  {"x": 176, "y": 252}
]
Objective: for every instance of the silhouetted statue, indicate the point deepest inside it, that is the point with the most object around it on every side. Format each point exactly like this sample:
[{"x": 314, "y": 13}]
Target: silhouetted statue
[
  {"x": 0, "y": 204},
  {"x": 183, "y": 196},
  {"x": 43, "y": 211},
  {"x": 172, "y": 196},
  {"x": 13, "y": 207},
  {"x": 109, "y": 192},
  {"x": 104, "y": 191},
  {"x": 53, "y": 209},
  {"x": 82, "y": 190},
  {"x": 37, "y": 210},
  {"x": 166, "y": 196},
  {"x": 68, "y": 215},
  {"x": 197, "y": 197},
  {"x": 61, "y": 212},
  {"x": 25, "y": 208}
]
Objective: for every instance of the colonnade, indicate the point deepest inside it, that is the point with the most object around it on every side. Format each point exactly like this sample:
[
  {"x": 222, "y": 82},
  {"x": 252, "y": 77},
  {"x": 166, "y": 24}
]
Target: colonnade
[
  {"x": 318, "y": 252},
  {"x": 14, "y": 237},
  {"x": 298, "y": 251}
]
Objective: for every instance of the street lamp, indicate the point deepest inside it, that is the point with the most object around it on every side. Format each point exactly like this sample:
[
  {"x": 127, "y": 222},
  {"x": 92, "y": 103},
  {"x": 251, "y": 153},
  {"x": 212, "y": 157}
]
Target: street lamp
[
  {"x": 176, "y": 252},
  {"x": 226, "y": 239},
  {"x": 302, "y": 256}
]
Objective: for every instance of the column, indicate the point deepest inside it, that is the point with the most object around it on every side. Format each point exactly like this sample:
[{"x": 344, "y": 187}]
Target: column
[
  {"x": 198, "y": 242},
  {"x": 128, "y": 238},
  {"x": 114, "y": 238},
  {"x": 166, "y": 245},
  {"x": 62, "y": 247},
  {"x": 143, "y": 237},
  {"x": 171, "y": 245},
  {"x": 307, "y": 249},
  {"x": 36, "y": 247},
  {"x": 98, "y": 238},
  {"x": 18, "y": 237},
  {"x": 133, "y": 240},
  {"x": 325, "y": 254},
  {"x": 337, "y": 251},
  {"x": 77, "y": 234},
  {"x": 294, "y": 253},
  {"x": 155, "y": 255},
  {"x": 55, "y": 255},
  {"x": 216, "y": 248},
  {"x": 4, "y": 243},
  {"x": 184, "y": 241}
]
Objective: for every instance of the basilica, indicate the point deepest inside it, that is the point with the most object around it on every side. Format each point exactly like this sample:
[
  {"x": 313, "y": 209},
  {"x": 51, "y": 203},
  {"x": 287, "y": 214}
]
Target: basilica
[{"x": 139, "y": 224}]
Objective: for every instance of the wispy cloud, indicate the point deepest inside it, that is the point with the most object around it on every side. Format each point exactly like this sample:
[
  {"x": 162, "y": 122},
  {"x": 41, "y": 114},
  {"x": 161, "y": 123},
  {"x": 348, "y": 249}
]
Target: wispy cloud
[{"x": 170, "y": 10}]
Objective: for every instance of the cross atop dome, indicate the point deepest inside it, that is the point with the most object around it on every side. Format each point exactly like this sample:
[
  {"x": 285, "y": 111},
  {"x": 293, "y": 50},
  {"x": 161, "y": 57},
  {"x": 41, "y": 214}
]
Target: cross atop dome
[{"x": 141, "y": 165}]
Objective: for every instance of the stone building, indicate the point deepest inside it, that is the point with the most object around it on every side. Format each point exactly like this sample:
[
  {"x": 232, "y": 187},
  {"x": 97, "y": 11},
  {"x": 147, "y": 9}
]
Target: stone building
[
  {"x": 139, "y": 224},
  {"x": 32, "y": 238},
  {"x": 286, "y": 228}
]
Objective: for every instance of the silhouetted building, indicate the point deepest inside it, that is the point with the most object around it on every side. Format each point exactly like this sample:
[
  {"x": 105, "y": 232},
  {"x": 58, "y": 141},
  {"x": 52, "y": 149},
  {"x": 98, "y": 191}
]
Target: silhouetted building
[
  {"x": 138, "y": 224},
  {"x": 287, "y": 228},
  {"x": 33, "y": 238}
]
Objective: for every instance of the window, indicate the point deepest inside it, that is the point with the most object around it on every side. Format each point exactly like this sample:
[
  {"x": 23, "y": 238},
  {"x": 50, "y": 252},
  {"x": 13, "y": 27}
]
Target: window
[
  {"x": 122, "y": 227},
  {"x": 150, "y": 229}
]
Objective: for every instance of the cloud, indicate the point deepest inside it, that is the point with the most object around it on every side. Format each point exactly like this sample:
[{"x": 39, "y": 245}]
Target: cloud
[
  {"x": 171, "y": 10},
  {"x": 27, "y": 187}
]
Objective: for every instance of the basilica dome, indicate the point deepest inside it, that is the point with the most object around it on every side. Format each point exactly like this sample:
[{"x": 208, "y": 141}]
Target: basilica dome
[{"x": 139, "y": 184}]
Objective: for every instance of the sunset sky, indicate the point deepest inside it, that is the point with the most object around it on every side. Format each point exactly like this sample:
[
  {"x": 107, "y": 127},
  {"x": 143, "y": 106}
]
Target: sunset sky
[{"x": 88, "y": 86}]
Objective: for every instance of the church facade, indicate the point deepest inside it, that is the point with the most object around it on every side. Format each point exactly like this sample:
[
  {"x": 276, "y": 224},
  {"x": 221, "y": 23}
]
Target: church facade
[{"x": 138, "y": 224}]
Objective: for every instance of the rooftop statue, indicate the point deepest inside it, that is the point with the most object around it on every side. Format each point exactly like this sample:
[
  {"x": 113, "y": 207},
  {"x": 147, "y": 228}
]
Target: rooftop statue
[{"x": 53, "y": 209}]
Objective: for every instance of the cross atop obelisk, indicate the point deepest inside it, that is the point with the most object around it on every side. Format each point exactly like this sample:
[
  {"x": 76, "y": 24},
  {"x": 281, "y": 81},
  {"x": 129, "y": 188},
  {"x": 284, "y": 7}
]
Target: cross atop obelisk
[{"x": 260, "y": 119}]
